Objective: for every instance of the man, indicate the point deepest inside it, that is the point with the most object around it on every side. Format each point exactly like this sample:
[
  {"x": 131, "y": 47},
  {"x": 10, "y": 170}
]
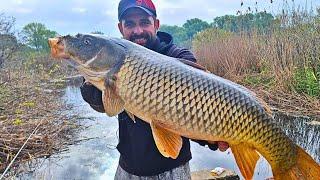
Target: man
[{"x": 139, "y": 156}]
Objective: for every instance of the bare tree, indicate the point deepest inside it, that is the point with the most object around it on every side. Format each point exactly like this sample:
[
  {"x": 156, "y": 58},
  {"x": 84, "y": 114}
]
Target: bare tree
[{"x": 8, "y": 42}]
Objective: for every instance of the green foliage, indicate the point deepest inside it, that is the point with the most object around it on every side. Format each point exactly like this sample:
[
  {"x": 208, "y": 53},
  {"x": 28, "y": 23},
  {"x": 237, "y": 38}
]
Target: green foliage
[
  {"x": 18, "y": 111},
  {"x": 183, "y": 35},
  {"x": 227, "y": 22},
  {"x": 210, "y": 35},
  {"x": 28, "y": 104},
  {"x": 193, "y": 26},
  {"x": 306, "y": 82},
  {"x": 256, "y": 80},
  {"x": 17, "y": 122},
  {"x": 178, "y": 33},
  {"x": 261, "y": 22},
  {"x": 36, "y": 36}
]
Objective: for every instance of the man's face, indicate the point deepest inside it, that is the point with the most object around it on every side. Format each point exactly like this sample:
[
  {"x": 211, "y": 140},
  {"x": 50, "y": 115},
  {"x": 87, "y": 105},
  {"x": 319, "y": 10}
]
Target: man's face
[{"x": 139, "y": 27}]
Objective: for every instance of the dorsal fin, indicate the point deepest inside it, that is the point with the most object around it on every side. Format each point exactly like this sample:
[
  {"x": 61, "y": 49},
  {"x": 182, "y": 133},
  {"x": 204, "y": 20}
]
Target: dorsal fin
[
  {"x": 193, "y": 64},
  {"x": 265, "y": 105}
]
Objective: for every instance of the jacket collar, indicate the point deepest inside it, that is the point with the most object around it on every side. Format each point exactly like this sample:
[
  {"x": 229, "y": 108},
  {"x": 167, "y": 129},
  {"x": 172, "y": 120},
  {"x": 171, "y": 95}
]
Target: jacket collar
[{"x": 163, "y": 42}]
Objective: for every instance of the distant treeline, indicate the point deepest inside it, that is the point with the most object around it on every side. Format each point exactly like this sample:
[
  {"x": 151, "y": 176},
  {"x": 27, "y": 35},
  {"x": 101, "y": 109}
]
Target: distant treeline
[
  {"x": 260, "y": 22},
  {"x": 34, "y": 35}
]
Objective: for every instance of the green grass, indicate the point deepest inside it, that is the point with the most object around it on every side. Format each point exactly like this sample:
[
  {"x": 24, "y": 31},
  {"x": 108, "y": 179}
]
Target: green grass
[
  {"x": 256, "y": 80},
  {"x": 306, "y": 82}
]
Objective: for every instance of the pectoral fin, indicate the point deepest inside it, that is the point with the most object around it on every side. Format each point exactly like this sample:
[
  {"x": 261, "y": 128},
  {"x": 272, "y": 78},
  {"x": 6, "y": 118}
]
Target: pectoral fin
[
  {"x": 168, "y": 143},
  {"x": 112, "y": 103},
  {"x": 246, "y": 158}
]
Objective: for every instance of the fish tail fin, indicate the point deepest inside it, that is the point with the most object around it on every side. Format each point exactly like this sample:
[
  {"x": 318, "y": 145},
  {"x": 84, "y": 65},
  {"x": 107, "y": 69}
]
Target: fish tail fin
[
  {"x": 305, "y": 168},
  {"x": 246, "y": 158}
]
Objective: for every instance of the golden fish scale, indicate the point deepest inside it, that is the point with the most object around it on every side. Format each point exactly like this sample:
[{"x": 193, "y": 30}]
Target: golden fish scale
[{"x": 199, "y": 105}]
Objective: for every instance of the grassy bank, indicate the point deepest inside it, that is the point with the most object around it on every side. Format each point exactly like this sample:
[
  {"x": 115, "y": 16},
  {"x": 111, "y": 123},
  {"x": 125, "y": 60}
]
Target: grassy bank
[
  {"x": 28, "y": 102},
  {"x": 282, "y": 66}
]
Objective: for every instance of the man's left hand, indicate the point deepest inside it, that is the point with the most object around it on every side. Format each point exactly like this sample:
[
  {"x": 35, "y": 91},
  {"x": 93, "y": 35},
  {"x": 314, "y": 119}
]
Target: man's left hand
[{"x": 221, "y": 145}]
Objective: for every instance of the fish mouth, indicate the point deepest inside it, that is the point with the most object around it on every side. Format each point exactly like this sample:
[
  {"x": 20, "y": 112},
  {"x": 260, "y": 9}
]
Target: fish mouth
[
  {"x": 57, "y": 48},
  {"x": 58, "y": 51}
]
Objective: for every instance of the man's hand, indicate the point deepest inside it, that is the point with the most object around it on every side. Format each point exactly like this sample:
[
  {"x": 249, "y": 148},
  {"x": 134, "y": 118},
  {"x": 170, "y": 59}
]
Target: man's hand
[
  {"x": 87, "y": 83},
  {"x": 93, "y": 96},
  {"x": 221, "y": 145}
]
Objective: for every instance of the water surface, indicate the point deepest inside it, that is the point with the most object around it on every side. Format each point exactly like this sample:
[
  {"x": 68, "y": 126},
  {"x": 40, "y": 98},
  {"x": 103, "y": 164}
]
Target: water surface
[{"x": 95, "y": 156}]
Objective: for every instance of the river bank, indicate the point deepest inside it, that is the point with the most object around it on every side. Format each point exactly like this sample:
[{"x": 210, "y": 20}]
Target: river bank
[{"x": 32, "y": 112}]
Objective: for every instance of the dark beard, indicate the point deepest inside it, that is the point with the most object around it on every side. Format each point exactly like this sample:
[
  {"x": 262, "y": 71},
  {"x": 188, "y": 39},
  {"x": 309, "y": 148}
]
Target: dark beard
[{"x": 150, "y": 39}]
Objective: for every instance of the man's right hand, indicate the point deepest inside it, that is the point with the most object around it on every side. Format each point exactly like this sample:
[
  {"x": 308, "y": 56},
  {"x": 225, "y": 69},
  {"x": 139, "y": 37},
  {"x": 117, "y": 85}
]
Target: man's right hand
[
  {"x": 93, "y": 96},
  {"x": 87, "y": 83},
  {"x": 87, "y": 90}
]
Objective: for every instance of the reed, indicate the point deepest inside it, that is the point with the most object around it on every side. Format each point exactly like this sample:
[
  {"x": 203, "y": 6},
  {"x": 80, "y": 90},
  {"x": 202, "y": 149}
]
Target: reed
[{"x": 286, "y": 60}]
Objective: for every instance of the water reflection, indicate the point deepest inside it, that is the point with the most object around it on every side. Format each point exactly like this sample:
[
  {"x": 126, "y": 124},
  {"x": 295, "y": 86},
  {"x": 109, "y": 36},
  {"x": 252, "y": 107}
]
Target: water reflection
[
  {"x": 97, "y": 157},
  {"x": 299, "y": 130},
  {"x": 303, "y": 133}
]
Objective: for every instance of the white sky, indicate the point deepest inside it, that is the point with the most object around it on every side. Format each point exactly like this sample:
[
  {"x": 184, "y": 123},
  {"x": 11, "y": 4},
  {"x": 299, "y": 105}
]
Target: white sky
[{"x": 85, "y": 16}]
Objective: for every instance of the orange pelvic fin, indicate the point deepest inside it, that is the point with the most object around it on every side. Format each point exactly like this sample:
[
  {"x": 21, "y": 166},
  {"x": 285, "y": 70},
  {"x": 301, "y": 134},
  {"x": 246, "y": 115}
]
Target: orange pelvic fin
[
  {"x": 246, "y": 158},
  {"x": 305, "y": 168},
  {"x": 168, "y": 143}
]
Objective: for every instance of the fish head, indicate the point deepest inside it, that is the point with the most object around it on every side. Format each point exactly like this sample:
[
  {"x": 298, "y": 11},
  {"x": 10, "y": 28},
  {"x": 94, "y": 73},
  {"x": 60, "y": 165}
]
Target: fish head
[
  {"x": 94, "y": 52},
  {"x": 98, "y": 58}
]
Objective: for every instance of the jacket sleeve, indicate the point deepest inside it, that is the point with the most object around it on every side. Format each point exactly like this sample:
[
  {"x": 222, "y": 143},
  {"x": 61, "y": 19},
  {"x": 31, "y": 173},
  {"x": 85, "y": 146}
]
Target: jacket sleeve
[
  {"x": 182, "y": 53},
  {"x": 93, "y": 96}
]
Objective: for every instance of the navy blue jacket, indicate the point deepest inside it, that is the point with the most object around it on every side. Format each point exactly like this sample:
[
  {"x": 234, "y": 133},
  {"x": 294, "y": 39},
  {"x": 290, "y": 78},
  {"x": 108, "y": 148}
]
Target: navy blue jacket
[{"x": 138, "y": 152}]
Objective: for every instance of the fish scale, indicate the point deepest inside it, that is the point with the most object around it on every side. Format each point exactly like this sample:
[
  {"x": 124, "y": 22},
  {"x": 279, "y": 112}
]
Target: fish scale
[{"x": 219, "y": 105}]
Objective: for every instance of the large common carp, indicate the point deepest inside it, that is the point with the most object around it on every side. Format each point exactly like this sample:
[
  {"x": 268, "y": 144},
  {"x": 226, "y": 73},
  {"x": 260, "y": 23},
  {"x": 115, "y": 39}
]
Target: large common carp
[{"x": 179, "y": 100}]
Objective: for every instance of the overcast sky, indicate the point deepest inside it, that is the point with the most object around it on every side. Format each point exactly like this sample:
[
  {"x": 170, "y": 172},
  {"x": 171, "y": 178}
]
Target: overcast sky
[{"x": 85, "y": 16}]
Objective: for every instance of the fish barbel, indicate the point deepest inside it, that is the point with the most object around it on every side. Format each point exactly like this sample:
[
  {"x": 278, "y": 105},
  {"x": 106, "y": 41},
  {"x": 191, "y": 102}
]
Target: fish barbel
[{"x": 179, "y": 100}]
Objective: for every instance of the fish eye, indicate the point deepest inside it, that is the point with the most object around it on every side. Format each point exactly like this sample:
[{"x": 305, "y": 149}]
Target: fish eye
[{"x": 87, "y": 41}]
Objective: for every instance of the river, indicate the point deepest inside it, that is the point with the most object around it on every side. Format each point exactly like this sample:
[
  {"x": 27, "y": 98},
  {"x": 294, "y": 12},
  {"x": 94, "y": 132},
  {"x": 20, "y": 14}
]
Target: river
[{"x": 95, "y": 155}]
